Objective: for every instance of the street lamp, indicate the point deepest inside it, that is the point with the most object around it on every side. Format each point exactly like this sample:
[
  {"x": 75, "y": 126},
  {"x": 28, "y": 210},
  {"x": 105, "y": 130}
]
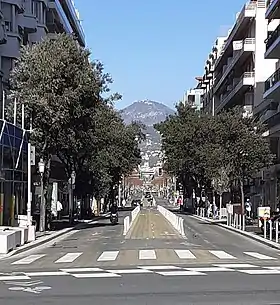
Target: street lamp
[
  {"x": 41, "y": 166},
  {"x": 71, "y": 184}
]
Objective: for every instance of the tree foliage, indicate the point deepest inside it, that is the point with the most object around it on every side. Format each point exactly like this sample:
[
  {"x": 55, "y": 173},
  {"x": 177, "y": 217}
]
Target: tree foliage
[
  {"x": 67, "y": 99},
  {"x": 213, "y": 150}
]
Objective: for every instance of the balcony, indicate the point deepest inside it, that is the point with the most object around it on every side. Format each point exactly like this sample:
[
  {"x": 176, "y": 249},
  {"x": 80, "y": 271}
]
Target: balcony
[
  {"x": 240, "y": 56},
  {"x": 70, "y": 11},
  {"x": 272, "y": 9},
  {"x": 59, "y": 12},
  {"x": 248, "y": 12},
  {"x": 272, "y": 86},
  {"x": 241, "y": 86},
  {"x": 273, "y": 44}
]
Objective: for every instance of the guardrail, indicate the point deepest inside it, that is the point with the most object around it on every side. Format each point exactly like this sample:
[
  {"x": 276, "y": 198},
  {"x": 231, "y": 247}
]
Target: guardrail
[
  {"x": 128, "y": 220},
  {"x": 176, "y": 221}
]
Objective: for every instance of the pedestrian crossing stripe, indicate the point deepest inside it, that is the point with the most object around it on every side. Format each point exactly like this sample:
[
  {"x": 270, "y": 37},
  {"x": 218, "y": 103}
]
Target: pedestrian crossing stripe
[
  {"x": 167, "y": 271},
  {"x": 146, "y": 255}
]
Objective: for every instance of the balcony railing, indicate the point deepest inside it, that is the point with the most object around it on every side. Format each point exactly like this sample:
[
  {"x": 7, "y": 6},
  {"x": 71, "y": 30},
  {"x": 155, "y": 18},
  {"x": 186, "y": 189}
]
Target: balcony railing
[
  {"x": 272, "y": 80},
  {"x": 239, "y": 83},
  {"x": 272, "y": 37},
  {"x": 237, "y": 55},
  {"x": 251, "y": 6}
]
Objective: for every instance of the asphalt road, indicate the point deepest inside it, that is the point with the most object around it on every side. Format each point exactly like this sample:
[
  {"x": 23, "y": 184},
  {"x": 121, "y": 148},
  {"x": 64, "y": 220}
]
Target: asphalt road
[{"x": 152, "y": 264}]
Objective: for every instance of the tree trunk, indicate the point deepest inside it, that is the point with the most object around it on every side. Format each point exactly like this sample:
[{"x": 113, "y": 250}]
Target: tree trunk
[{"x": 221, "y": 202}]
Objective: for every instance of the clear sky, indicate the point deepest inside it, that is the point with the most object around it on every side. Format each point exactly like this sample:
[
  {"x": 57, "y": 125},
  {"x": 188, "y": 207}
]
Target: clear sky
[{"x": 154, "y": 48}]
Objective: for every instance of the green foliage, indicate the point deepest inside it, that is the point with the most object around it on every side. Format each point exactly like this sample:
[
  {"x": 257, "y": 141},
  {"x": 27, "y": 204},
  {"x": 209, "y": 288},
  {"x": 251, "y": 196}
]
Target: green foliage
[
  {"x": 67, "y": 98},
  {"x": 215, "y": 149}
]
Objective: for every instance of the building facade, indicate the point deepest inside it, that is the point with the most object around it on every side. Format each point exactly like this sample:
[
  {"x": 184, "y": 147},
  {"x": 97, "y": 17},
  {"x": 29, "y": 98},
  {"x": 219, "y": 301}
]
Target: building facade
[
  {"x": 193, "y": 97},
  {"x": 25, "y": 22}
]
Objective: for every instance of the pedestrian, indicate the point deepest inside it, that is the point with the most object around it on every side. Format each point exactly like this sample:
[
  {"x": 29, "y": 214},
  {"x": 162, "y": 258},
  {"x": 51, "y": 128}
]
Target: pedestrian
[{"x": 59, "y": 209}]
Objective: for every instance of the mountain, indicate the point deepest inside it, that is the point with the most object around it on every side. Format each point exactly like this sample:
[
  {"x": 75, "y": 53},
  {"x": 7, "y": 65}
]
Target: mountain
[{"x": 148, "y": 113}]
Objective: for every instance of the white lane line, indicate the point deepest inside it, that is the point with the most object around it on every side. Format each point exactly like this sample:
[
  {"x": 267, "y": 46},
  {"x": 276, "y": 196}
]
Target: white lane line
[
  {"x": 130, "y": 271},
  {"x": 185, "y": 254},
  {"x": 259, "y": 255},
  {"x": 159, "y": 267},
  {"x": 68, "y": 258},
  {"x": 29, "y": 259},
  {"x": 180, "y": 273},
  {"x": 46, "y": 273},
  {"x": 260, "y": 271},
  {"x": 147, "y": 254},
  {"x": 90, "y": 275},
  {"x": 73, "y": 270},
  {"x": 222, "y": 254},
  {"x": 108, "y": 256},
  {"x": 236, "y": 266},
  {"x": 273, "y": 268},
  {"x": 14, "y": 277},
  {"x": 209, "y": 269}
]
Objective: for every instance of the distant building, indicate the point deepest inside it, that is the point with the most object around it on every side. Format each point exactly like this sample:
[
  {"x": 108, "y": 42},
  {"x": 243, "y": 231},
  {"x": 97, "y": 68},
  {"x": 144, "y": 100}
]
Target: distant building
[{"x": 193, "y": 97}]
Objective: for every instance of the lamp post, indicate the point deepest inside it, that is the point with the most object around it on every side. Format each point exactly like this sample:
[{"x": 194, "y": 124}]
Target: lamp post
[
  {"x": 41, "y": 166},
  {"x": 71, "y": 185}
]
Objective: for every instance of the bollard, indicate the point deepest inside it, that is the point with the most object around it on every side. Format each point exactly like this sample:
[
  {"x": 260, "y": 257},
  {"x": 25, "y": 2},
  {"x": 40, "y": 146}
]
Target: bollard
[
  {"x": 270, "y": 230},
  {"x": 264, "y": 228},
  {"x": 276, "y": 230},
  {"x": 240, "y": 221}
]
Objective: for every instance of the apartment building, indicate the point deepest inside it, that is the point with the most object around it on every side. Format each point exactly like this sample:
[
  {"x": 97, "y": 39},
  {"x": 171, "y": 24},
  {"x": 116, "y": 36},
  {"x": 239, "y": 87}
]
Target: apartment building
[
  {"x": 268, "y": 111},
  {"x": 193, "y": 97},
  {"x": 207, "y": 80},
  {"x": 24, "y": 22},
  {"x": 237, "y": 72},
  {"x": 27, "y": 21}
]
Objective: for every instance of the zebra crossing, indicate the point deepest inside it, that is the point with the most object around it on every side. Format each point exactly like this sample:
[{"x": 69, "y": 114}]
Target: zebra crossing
[{"x": 140, "y": 256}]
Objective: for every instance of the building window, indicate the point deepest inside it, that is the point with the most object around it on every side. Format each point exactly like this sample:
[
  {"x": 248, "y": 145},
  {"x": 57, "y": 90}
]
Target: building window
[{"x": 8, "y": 26}]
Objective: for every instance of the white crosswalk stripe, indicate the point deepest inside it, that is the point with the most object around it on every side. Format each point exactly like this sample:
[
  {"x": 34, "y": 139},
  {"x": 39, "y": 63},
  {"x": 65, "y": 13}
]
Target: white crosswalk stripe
[
  {"x": 29, "y": 259},
  {"x": 68, "y": 258},
  {"x": 147, "y": 254},
  {"x": 185, "y": 254},
  {"x": 222, "y": 254},
  {"x": 143, "y": 255},
  {"x": 108, "y": 256},
  {"x": 259, "y": 255}
]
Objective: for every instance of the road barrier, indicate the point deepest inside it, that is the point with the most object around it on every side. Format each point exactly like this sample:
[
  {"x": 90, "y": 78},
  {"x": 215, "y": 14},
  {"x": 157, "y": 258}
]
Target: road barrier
[
  {"x": 176, "y": 221},
  {"x": 128, "y": 221}
]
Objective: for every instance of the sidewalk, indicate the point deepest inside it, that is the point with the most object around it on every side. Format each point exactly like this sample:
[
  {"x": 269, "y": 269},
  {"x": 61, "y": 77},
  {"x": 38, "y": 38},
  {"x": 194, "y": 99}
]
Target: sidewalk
[
  {"x": 61, "y": 227},
  {"x": 251, "y": 232}
]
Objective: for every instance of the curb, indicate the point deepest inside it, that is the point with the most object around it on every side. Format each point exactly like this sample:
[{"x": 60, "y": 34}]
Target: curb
[
  {"x": 260, "y": 239},
  {"x": 46, "y": 239}
]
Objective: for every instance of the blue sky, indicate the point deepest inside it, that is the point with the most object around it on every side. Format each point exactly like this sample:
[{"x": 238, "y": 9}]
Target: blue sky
[{"x": 154, "y": 49}]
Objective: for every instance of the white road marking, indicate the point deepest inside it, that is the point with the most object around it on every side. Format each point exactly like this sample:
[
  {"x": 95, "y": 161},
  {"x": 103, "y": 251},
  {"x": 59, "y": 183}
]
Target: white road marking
[
  {"x": 68, "y": 258},
  {"x": 236, "y": 266},
  {"x": 160, "y": 267},
  {"x": 90, "y": 275},
  {"x": 209, "y": 269},
  {"x": 130, "y": 271},
  {"x": 147, "y": 254},
  {"x": 259, "y": 255},
  {"x": 108, "y": 256},
  {"x": 274, "y": 268},
  {"x": 185, "y": 254},
  {"x": 29, "y": 259},
  {"x": 46, "y": 273},
  {"x": 260, "y": 271},
  {"x": 14, "y": 277},
  {"x": 180, "y": 273},
  {"x": 73, "y": 270},
  {"x": 222, "y": 254}
]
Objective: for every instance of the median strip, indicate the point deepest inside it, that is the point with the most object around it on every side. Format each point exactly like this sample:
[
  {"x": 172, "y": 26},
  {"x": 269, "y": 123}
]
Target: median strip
[{"x": 176, "y": 221}]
